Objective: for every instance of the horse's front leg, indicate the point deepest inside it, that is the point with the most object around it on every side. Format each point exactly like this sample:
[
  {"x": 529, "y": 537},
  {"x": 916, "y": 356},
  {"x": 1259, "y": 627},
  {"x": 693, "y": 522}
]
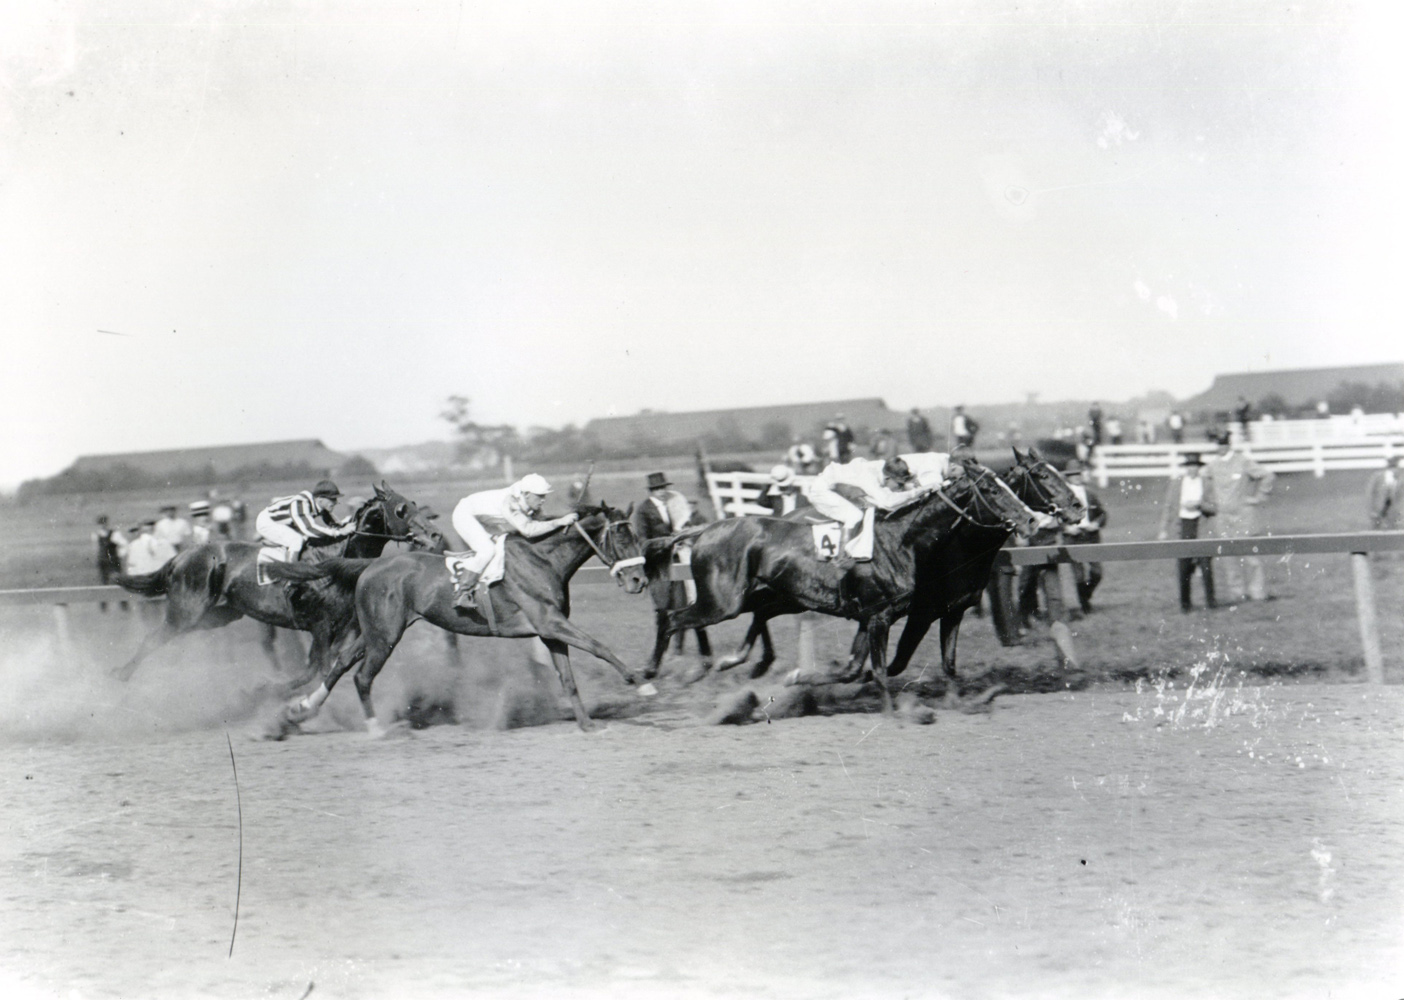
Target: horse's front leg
[
  {"x": 919, "y": 622},
  {"x": 950, "y": 632},
  {"x": 660, "y": 643},
  {"x": 351, "y": 652}
]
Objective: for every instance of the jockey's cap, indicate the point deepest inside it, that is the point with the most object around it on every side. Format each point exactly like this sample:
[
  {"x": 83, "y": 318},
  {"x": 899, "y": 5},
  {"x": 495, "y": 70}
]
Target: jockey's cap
[
  {"x": 782, "y": 475},
  {"x": 326, "y": 488},
  {"x": 533, "y": 483},
  {"x": 897, "y": 468}
]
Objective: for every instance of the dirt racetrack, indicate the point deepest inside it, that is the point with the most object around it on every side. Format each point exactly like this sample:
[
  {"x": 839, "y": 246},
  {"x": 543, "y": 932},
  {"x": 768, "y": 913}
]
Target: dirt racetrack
[{"x": 1226, "y": 841}]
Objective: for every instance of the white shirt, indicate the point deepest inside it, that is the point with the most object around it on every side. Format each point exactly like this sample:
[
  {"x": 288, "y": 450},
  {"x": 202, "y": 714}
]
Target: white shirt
[
  {"x": 503, "y": 511},
  {"x": 930, "y": 467},
  {"x": 1191, "y": 495},
  {"x": 867, "y": 475}
]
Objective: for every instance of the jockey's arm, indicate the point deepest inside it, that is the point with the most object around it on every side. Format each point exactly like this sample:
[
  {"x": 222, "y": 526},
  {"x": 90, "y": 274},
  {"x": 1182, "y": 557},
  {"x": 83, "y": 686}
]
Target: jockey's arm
[
  {"x": 306, "y": 523},
  {"x": 529, "y": 527}
]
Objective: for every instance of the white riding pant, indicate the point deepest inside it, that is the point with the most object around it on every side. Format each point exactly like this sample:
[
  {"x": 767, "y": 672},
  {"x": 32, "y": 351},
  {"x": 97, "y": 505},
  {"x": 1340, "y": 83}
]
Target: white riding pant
[
  {"x": 475, "y": 536},
  {"x": 833, "y": 505},
  {"x": 278, "y": 533}
]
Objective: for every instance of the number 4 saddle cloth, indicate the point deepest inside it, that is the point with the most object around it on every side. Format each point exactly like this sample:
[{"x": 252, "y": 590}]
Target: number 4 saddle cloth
[{"x": 828, "y": 535}]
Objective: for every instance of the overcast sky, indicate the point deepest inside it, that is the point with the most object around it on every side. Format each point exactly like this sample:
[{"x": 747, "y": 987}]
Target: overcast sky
[{"x": 236, "y": 221}]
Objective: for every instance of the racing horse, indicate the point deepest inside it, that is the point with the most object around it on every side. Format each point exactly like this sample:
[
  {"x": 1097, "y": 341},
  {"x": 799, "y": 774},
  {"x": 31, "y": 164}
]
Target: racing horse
[
  {"x": 532, "y": 599},
  {"x": 953, "y": 572},
  {"x": 768, "y": 566},
  {"x": 211, "y": 585}
]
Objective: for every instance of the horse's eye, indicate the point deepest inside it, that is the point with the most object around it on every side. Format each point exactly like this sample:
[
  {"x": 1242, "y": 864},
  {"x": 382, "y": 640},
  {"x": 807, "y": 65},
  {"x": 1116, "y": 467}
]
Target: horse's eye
[{"x": 401, "y": 510}]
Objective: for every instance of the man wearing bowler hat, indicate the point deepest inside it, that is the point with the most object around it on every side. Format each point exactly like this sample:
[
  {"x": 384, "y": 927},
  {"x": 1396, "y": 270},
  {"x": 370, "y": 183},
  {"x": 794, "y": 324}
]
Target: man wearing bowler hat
[
  {"x": 1190, "y": 497},
  {"x": 665, "y": 512}
]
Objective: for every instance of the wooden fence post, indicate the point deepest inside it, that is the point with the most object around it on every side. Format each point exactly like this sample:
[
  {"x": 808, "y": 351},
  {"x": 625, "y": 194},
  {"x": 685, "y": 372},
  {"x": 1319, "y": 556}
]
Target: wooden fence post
[{"x": 1365, "y": 612}]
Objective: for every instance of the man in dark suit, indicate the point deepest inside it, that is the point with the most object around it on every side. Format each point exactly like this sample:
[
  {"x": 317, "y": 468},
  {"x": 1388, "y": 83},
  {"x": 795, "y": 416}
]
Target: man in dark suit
[{"x": 1189, "y": 498}]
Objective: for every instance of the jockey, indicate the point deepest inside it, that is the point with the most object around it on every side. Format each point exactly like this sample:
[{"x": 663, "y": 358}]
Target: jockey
[
  {"x": 883, "y": 484},
  {"x": 304, "y": 517},
  {"x": 515, "y": 509}
]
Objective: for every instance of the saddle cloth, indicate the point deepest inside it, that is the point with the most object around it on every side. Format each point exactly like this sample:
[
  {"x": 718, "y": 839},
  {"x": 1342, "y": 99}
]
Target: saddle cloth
[
  {"x": 269, "y": 554},
  {"x": 828, "y": 534},
  {"x": 492, "y": 572}
]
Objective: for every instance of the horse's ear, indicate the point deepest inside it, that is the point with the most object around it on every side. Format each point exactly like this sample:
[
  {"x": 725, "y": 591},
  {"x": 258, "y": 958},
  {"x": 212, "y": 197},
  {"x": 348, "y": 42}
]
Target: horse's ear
[
  {"x": 378, "y": 491},
  {"x": 1033, "y": 454},
  {"x": 1021, "y": 457},
  {"x": 630, "y": 511}
]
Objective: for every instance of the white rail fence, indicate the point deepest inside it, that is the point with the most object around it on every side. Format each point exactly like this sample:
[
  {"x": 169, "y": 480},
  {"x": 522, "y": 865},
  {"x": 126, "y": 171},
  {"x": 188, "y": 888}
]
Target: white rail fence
[
  {"x": 736, "y": 494},
  {"x": 1130, "y": 461},
  {"x": 1336, "y": 428}
]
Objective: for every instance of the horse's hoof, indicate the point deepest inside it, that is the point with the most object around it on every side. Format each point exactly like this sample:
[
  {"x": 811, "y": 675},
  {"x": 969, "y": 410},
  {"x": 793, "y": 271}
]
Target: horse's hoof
[
  {"x": 648, "y": 691},
  {"x": 727, "y": 662}
]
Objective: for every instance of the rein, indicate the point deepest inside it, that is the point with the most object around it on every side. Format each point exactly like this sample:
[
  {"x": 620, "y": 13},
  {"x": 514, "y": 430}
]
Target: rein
[
  {"x": 1042, "y": 496},
  {"x": 975, "y": 503},
  {"x": 616, "y": 567}
]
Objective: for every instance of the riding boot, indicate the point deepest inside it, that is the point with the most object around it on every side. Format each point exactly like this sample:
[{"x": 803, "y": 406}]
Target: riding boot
[
  {"x": 463, "y": 583},
  {"x": 842, "y": 561}
]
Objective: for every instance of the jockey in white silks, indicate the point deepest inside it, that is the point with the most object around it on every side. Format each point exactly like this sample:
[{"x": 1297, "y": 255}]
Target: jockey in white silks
[
  {"x": 295, "y": 520},
  {"x": 872, "y": 478},
  {"x": 931, "y": 468},
  {"x": 480, "y": 516}
]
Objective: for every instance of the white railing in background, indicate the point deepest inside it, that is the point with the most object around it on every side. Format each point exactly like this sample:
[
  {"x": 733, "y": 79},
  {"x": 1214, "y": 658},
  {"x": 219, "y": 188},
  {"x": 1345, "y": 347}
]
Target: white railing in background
[
  {"x": 1336, "y": 428},
  {"x": 736, "y": 494},
  {"x": 1129, "y": 461}
]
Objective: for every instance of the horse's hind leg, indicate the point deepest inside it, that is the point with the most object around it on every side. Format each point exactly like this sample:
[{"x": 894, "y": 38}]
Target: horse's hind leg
[
  {"x": 743, "y": 652},
  {"x": 704, "y": 648},
  {"x": 183, "y": 612},
  {"x": 660, "y": 643},
  {"x": 767, "y": 650},
  {"x": 268, "y": 642},
  {"x": 560, "y": 656}
]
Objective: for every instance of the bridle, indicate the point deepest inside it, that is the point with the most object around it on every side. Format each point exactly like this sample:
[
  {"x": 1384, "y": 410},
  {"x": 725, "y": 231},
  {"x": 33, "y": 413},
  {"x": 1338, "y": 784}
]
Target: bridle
[
  {"x": 1043, "y": 497},
  {"x": 616, "y": 566},
  {"x": 979, "y": 503},
  {"x": 361, "y": 515}
]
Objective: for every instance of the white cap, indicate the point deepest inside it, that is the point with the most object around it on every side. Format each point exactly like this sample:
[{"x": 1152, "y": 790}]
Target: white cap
[
  {"x": 532, "y": 483},
  {"x": 782, "y": 475}
]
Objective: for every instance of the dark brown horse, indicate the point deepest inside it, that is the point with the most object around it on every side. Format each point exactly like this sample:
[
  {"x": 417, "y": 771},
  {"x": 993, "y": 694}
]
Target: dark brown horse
[
  {"x": 768, "y": 567},
  {"x": 953, "y": 572},
  {"x": 533, "y": 599},
  {"x": 214, "y": 584}
]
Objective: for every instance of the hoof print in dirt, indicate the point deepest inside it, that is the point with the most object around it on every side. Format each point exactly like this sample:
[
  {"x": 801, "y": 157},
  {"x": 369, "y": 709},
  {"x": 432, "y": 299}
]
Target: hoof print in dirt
[{"x": 735, "y": 710}]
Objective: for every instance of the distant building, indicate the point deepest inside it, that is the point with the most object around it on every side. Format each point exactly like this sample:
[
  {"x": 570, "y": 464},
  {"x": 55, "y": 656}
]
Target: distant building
[
  {"x": 221, "y": 461},
  {"x": 756, "y": 426},
  {"x": 1299, "y": 387}
]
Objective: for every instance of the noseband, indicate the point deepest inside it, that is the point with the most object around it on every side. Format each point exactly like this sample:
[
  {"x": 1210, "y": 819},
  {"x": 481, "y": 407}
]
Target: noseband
[{"x": 616, "y": 566}]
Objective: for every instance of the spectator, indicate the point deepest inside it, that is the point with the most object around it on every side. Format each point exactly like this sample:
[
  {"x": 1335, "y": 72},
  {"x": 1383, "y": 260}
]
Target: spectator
[
  {"x": 110, "y": 544},
  {"x": 883, "y": 444},
  {"x": 1145, "y": 431},
  {"x": 919, "y": 432},
  {"x": 1094, "y": 422},
  {"x": 664, "y": 512},
  {"x": 172, "y": 528},
  {"x": 200, "y": 522},
  {"x": 221, "y": 514},
  {"x": 1088, "y": 531},
  {"x": 1190, "y": 497},
  {"x": 1384, "y": 495},
  {"x": 838, "y": 440},
  {"x": 963, "y": 429},
  {"x": 802, "y": 458},
  {"x": 1114, "y": 430},
  {"x": 1240, "y": 487},
  {"x": 1043, "y": 576},
  {"x": 784, "y": 494},
  {"x": 148, "y": 552},
  {"x": 1243, "y": 413},
  {"x": 1176, "y": 423}
]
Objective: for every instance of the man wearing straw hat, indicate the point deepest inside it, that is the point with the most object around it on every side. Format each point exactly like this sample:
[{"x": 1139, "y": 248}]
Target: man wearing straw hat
[
  {"x": 1190, "y": 497},
  {"x": 199, "y": 522}
]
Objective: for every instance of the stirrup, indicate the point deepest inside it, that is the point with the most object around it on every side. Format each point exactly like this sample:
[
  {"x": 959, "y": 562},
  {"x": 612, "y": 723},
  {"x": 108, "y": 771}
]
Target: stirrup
[{"x": 463, "y": 587}]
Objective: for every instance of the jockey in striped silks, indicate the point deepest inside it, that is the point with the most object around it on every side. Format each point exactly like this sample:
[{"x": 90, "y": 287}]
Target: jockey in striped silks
[{"x": 295, "y": 520}]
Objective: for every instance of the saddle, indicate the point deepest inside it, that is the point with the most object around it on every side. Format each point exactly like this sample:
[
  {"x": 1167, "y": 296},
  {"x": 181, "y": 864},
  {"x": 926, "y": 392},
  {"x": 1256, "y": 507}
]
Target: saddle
[
  {"x": 270, "y": 554},
  {"x": 828, "y": 536},
  {"x": 457, "y": 562}
]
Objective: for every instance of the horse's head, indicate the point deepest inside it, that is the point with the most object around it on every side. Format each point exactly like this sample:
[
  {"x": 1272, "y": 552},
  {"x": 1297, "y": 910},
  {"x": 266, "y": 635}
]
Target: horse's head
[
  {"x": 400, "y": 518},
  {"x": 979, "y": 498},
  {"x": 611, "y": 533},
  {"x": 1043, "y": 487}
]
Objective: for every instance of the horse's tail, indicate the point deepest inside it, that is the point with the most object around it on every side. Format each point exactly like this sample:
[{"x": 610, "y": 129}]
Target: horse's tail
[
  {"x": 148, "y": 584},
  {"x": 341, "y": 571}
]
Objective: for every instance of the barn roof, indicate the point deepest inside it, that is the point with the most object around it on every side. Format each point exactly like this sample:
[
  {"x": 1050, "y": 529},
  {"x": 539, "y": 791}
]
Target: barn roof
[
  {"x": 1299, "y": 386},
  {"x": 224, "y": 459},
  {"x": 750, "y": 422}
]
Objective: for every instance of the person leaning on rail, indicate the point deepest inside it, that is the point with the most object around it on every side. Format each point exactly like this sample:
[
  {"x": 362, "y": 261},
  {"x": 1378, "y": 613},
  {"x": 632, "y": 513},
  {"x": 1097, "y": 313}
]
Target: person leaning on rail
[{"x": 1190, "y": 498}]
